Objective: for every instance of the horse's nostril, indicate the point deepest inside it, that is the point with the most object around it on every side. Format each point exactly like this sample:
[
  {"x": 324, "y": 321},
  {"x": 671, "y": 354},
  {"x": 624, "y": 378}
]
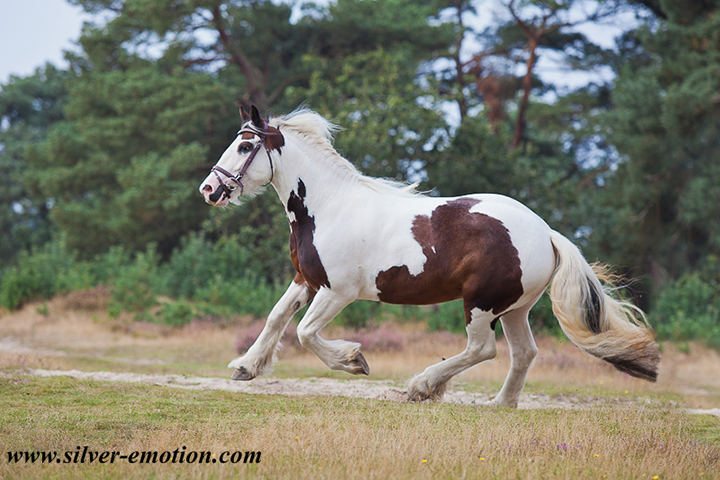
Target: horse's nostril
[{"x": 207, "y": 188}]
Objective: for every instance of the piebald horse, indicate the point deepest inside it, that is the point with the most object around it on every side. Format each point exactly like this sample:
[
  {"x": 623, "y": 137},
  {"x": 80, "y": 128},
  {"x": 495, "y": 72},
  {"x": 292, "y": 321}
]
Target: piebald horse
[{"x": 356, "y": 237}]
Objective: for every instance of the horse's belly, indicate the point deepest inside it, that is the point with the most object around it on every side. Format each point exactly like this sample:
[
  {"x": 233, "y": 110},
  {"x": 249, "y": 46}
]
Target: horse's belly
[{"x": 396, "y": 285}]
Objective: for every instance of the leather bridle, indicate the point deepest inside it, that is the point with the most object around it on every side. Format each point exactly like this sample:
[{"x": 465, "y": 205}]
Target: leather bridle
[{"x": 263, "y": 133}]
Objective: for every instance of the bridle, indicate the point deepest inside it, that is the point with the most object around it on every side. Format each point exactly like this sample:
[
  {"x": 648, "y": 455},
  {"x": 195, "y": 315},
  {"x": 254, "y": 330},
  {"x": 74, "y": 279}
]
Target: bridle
[{"x": 263, "y": 133}]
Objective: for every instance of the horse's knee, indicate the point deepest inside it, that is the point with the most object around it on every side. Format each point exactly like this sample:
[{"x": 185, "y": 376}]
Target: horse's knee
[
  {"x": 532, "y": 354},
  {"x": 525, "y": 356},
  {"x": 305, "y": 335},
  {"x": 489, "y": 350},
  {"x": 482, "y": 351}
]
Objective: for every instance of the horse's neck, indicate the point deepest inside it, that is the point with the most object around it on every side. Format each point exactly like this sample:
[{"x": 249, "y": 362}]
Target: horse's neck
[{"x": 321, "y": 180}]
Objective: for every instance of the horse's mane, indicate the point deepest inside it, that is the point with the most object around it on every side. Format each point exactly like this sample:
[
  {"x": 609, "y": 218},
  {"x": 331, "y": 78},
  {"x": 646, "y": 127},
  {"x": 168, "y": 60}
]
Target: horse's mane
[{"x": 314, "y": 129}]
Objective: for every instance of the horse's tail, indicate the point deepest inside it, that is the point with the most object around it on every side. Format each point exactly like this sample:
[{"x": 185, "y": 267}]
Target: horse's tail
[{"x": 597, "y": 323}]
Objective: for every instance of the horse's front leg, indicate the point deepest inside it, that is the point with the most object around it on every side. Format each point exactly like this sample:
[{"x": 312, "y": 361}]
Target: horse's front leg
[
  {"x": 337, "y": 354},
  {"x": 261, "y": 356}
]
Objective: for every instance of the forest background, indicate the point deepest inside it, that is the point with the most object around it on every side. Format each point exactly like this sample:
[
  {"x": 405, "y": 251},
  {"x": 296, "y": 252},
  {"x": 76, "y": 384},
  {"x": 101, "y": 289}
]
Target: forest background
[{"x": 100, "y": 161}]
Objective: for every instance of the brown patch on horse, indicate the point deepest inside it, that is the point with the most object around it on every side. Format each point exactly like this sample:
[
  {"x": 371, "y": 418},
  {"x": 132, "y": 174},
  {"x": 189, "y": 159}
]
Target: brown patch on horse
[
  {"x": 304, "y": 255},
  {"x": 469, "y": 256},
  {"x": 274, "y": 140}
]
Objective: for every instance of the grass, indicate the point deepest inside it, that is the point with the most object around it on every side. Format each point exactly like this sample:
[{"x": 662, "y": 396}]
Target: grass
[
  {"x": 631, "y": 429},
  {"x": 321, "y": 437}
]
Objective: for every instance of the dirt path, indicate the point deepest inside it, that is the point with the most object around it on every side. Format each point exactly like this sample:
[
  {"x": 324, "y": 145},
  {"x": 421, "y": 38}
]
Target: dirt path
[{"x": 370, "y": 389}]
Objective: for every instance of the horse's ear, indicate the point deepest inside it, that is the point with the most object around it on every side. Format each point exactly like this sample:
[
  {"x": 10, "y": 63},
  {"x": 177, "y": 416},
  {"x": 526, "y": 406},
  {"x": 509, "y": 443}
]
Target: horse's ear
[
  {"x": 255, "y": 115},
  {"x": 244, "y": 115}
]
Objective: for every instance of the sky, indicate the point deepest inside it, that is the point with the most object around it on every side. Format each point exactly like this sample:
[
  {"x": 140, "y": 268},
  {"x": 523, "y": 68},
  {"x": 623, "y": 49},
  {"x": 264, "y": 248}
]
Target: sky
[{"x": 33, "y": 32}]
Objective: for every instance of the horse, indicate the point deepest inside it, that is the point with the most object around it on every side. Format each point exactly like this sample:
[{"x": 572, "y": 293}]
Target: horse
[{"x": 357, "y": 237}]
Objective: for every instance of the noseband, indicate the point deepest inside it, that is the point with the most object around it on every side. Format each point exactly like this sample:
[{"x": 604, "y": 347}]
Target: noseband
[{"x": 263, "y": 134}]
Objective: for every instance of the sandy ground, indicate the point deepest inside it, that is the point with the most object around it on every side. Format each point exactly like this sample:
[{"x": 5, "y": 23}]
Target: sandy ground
[
  {"x": 71, "y": 336},
  {"x": 370, "y": 389}
]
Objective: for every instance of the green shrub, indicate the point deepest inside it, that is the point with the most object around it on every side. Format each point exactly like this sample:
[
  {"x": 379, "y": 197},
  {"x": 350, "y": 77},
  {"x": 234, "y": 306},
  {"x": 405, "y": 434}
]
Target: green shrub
[
  {"x": 689, "y": 308},
  {"x": 109, "y": 266},
  {"x": 244, "y": 296},
  {"x": 198, "y": 262},
  {"x": 446, "y": 316},
  {"x": 450, "y": 316},
  {"x": 542, "y": 319},
  {"x": 219, "y": 279},
  {"x": 42, "y": 273},
  {"x": 359, "y": 313},
  {"x": 134, "y": 287},
  {"x": 178, "y": 313}
]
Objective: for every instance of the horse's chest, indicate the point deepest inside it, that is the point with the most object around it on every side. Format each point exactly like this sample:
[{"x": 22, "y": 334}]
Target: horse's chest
[
  {"x": 305, "y": 257},
  {"x": 304, "y": 254}
]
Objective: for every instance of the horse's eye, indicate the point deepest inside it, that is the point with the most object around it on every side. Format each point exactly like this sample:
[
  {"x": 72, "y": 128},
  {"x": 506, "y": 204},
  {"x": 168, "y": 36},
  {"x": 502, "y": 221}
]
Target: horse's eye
[{"x": 245, "y": 148}]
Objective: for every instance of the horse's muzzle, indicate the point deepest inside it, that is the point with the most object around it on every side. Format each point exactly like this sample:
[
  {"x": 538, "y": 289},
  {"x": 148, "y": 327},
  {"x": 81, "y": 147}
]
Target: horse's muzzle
[{"x": 214, "y": 192}]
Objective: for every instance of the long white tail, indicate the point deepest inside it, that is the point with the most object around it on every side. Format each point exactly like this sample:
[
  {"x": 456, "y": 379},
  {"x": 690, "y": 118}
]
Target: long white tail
[{"x": 597, "y": 323}]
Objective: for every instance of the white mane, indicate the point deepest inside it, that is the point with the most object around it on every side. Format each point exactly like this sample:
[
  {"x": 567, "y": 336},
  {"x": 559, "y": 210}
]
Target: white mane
[{"x": 316, "y": 131}]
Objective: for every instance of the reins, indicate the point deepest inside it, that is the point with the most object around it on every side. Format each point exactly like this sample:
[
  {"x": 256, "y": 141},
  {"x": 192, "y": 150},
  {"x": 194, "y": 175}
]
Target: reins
[{"x": 263, "y": 134}]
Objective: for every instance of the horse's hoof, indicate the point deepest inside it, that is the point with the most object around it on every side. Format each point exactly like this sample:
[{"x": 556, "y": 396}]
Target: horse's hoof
[
  {"x": 418, "y": 396},
  {"x": 241, "y": 374},
  {"x": 499, "y": 403},
  {"x": 419, "y": 391},
  {"x": 359, "y": 364},
  {"x": 360, "y": 359}
]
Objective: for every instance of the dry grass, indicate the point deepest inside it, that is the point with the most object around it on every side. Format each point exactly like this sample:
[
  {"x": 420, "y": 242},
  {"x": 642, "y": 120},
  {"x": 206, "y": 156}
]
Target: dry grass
[
  {"x": 321, "y": 437},
  {"x": 338, "y": 437}
]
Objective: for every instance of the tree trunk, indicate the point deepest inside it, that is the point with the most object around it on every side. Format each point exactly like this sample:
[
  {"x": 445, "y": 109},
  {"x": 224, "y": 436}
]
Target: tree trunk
[{"x": 527, "y": 87}]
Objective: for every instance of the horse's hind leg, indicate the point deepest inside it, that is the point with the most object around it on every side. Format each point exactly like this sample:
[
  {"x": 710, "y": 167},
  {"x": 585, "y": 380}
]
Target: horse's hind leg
[
  {"x": 337, "y": 354},
  {"x": 431, "y": 383},
  {"x": 260, "y": 357},
  {"x": 522, "y": 352}
]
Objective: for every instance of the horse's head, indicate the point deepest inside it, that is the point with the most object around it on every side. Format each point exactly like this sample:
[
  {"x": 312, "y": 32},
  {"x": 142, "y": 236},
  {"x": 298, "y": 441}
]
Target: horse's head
[{"x": 232, "y": 175}]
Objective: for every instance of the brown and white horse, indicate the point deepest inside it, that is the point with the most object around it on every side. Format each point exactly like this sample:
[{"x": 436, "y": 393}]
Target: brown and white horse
[{"x": 355, "y": 237}]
